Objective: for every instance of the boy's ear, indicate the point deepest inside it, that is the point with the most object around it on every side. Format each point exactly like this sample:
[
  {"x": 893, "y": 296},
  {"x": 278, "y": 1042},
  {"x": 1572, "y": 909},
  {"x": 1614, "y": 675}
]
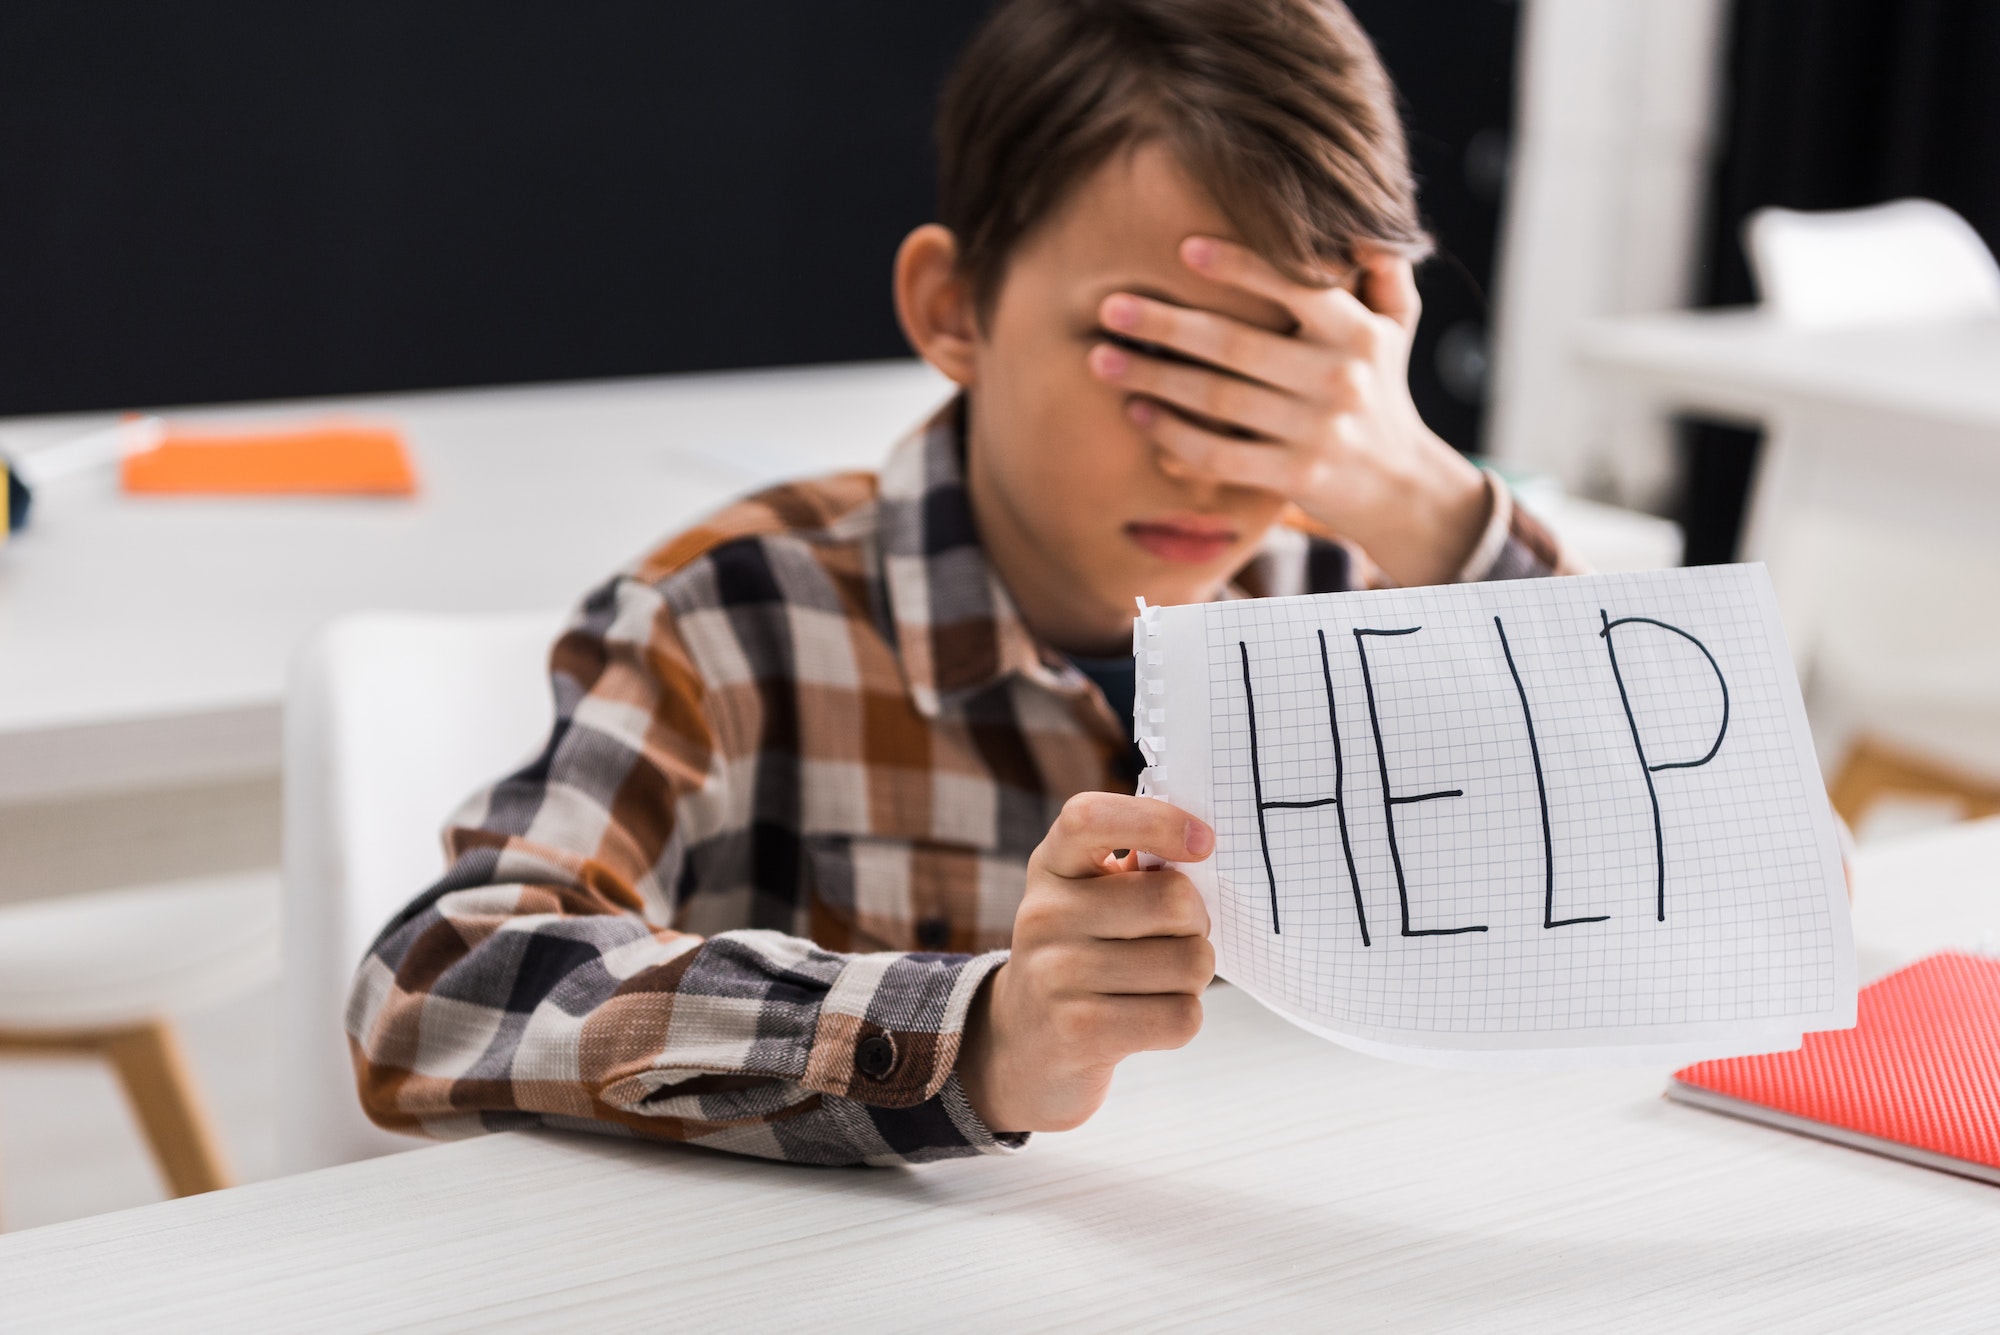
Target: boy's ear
[{"x": 934, "y": 303}]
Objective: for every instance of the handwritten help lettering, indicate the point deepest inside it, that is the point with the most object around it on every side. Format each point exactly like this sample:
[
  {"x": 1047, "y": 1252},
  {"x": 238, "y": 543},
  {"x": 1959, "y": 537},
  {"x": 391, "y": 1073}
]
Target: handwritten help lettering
[
  {"x": 1607, "y": 631},
  {"x": 1601, "y": 850}
]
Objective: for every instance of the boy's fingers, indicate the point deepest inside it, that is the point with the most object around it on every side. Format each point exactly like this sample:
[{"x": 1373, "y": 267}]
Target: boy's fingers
[
  {"x": 1245, "y": 463},
  {"x": 1094, "y": 825},
  {"x": 1240, "y": 266},
  {"x": 1217, "y": 339},
  {"x": 1346, "y": 324},
  {"x": 1390, "y": 288},
  {"x": 1333, "y": 315},
  {"x": 1147, "y": 967},
  {"x": 1258, "y": 409},
  {"x": 1131, "y": 905},
  {"x": 1157, "y": 1023}
]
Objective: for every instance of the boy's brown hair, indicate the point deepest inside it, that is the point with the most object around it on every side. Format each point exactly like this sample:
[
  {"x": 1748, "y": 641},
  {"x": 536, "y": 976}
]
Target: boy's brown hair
[{"x": 1280, "y": 108}]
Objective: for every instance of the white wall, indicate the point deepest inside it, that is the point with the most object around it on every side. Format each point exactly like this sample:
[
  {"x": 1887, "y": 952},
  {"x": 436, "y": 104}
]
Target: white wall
[{"x": 1618, "y": 100}]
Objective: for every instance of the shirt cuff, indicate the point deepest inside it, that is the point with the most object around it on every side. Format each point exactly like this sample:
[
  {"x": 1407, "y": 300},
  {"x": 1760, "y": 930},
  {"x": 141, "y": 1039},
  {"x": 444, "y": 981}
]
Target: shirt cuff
[
  {"x": 1514, "y": 544},
  {"x": 977, "y": 1134},
  {"x": 890, "y": 1027},
  {"x": 944, "y": 1127},
  {"x": 1492, "y": 538}
]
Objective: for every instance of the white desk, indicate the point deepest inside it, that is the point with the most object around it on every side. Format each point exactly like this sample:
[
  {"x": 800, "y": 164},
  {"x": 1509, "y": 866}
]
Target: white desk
[
  {"x": 1899, "y": 424},
  {"x": 144, "y": 641},
  {"x": 1260, "y": 1178}
]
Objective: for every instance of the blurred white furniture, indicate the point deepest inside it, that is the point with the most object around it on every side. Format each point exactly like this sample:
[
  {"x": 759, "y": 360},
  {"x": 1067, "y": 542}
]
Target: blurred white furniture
[
  {"x": 1258, "y": 1179},
  {"x": 1900, "y": 424},
  {"x": 1906, "y": 676},
  {"x": 1605, "y": 537},
  {"x": 100, "y": 975},
  {"x": 391, "y": 721},
  {"x": 1607, "y": 167},
  {"x": 1936, "y": 891},
  {"x": 1874, "y": 364},
  {"x": 1905, "y": 682},
  {"x": 529, "y": 496},
  {"x": 1911, "y": 261}
]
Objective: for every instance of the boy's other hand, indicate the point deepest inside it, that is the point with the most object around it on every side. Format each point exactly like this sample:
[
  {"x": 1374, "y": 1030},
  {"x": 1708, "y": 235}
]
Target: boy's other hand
[
  {"x": 1108, "y": 960},
  {"x": 1321, "y": 416}
]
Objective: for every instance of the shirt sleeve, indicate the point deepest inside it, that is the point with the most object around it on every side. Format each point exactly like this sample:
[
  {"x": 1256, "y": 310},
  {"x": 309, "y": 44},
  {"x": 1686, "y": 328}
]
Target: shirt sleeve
[
  {"x": 1514, "y": 544},
  {"x": 540, "y": 981}
]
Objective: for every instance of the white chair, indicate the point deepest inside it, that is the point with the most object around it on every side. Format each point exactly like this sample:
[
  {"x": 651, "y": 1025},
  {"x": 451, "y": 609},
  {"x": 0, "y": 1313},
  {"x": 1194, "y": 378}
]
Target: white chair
[
  {"x": 1949, "y": 884},
  {"x": 1904, "y": 691},
  {"x": 99, "y": 974},
  {"x": 391, "y": 721},
  {"x": 1910, "y": 260},
  {"x": 1904, "y": 684}
]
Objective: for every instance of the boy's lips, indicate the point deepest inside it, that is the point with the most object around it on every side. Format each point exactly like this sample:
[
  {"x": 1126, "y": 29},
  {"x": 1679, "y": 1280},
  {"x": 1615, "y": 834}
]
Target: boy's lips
[{"x": 1191, "y": 539}]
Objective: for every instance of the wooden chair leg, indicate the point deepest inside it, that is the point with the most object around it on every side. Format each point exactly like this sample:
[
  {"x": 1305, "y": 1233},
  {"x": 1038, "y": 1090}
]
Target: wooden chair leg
[
  {"x": 1873, "y": 770},
  {"x": 161, "y": 1089},
  {"x": 1864, "y": 777}
]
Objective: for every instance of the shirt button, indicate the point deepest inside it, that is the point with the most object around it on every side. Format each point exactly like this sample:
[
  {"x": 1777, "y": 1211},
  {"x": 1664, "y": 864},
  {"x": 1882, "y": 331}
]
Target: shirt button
[
  {"x": 875, "y": 1056},
  {"x": 933, "y": 933}
]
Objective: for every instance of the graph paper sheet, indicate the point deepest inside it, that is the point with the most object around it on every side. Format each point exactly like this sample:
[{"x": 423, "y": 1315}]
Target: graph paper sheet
[{"x": 1536, "y": 822}]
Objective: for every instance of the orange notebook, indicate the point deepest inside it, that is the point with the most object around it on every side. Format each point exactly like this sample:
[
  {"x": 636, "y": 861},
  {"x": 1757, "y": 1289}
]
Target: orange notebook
[
  {"x": 326, "y": 458},
  {"x": 1917, "y": 1078}
]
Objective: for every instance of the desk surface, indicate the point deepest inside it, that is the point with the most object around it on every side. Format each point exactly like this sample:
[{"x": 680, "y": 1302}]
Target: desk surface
[
  {"x": 1741, "y": 361},
  {"x": 1258, "y": 1176},
  {"x": 146, "y": 639}
]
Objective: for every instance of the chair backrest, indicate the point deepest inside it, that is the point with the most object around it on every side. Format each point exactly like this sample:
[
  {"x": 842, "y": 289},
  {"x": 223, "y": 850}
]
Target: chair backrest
[
  {"x": 1907, "y": 261},
  {"x": 391, "y": 721}
]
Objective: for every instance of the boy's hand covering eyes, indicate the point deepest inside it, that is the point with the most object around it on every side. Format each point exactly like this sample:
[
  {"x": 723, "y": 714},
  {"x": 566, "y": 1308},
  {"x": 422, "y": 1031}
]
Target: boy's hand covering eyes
[
  {"x": 1108, "y": 960},
  {"x": 1321, "y": 416}
]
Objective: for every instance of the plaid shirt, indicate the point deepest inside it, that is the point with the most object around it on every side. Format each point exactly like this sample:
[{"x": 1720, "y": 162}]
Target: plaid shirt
[{"x": 775, "y": 841}]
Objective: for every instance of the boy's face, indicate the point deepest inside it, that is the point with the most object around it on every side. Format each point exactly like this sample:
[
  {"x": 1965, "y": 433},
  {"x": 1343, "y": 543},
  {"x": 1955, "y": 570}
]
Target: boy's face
[{"x": 1079, "y": 510}]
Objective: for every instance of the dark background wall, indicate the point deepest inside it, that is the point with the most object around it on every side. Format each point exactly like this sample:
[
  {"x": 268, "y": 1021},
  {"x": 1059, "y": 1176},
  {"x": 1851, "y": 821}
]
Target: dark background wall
[
  {"x": 220, "y": 199},
  {"x": 228, "y": 199},
  {"x": 1835, "y": 104}
]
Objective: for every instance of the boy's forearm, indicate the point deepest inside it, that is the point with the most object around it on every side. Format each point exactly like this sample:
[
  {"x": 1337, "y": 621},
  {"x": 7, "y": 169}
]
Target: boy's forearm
[
  {"x": 748, "y": 1041},
  {"x": 537, "y": 981}
]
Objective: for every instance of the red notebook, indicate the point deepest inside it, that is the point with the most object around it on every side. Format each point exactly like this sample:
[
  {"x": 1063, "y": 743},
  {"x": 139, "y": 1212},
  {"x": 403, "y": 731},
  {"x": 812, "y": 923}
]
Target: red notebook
[{"x": 1917, "y": 1078}]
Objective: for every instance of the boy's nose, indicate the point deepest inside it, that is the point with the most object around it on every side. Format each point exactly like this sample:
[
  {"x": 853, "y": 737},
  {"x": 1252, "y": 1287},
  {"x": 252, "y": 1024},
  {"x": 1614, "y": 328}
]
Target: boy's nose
[{"x": 1200, "y": 489}]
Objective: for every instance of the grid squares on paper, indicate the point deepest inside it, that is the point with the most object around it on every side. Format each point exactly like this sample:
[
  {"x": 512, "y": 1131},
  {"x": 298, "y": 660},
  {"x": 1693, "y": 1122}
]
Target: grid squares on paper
[{"x": 1747, "y": 930}]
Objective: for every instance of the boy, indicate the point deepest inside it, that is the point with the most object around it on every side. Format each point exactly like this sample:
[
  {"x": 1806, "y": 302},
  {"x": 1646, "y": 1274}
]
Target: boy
[{"x": 819, "y": 761}]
